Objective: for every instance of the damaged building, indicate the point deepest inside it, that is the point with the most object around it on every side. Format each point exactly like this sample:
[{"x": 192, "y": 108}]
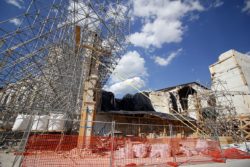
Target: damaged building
[
  {"x": 233, "y": 71},
  {"x": 53, "y": 111},
  {"x": 182, "y": 99},
  {"x": 166, "y": 106},
  {"x": 231, "y": 78},
  {"x": 189, "y": 102}
]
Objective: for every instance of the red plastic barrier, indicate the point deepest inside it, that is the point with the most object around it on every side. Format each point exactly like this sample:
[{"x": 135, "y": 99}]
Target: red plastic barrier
[
  {"x": 63, "y": 150},
  {"x": 174, "y": 164},
  {"x": 230, "y": 153},
  {"x": 234, "y": 153}
]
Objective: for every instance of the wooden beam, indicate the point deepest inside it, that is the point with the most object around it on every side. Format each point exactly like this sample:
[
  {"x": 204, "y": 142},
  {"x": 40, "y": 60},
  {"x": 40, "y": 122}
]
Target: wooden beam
[{"x": 77, "y": 36}]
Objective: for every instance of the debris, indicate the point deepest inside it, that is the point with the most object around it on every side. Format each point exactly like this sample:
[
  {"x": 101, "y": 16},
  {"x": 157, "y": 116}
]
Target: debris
[
  {"x": 159, "y": 150},
  {"x": 141, "y": 150}
]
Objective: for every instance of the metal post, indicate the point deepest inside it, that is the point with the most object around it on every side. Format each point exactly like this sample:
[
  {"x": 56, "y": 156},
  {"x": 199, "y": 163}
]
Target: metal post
[
  {"x": 171, "y": 135},
  {"x": 217, "y": 137},
  {"x": 170, "y": 130},
  {"x": 23, "y": 143},
  {"x": 112, "y": 144}
]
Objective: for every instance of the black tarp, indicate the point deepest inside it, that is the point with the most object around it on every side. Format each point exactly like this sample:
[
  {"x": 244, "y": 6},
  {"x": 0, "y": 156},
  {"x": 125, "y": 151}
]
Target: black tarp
[
  {"x": 127, "y": 103},
  {"x": 142, "y": 103},
  {"x": 136, "y": 102},
  {"x": 108, "y": 101}
]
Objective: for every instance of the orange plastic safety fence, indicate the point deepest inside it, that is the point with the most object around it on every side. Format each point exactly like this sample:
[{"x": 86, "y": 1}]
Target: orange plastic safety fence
[
  {"x": 230, "y": 153},
  {"x": 233, "y": 153},
  {"x": 63, "y": 150}
]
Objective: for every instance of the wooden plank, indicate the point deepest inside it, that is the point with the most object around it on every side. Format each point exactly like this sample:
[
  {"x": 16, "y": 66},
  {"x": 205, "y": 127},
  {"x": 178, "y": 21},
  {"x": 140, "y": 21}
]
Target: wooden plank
[{"x": 77, "y": 36}]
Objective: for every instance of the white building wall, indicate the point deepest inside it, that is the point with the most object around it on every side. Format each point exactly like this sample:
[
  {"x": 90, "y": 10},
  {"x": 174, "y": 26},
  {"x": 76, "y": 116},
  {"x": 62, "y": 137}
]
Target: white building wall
[
  {"x": 160, "y": 101},
  {"x": 233, "y": 70},
  {"x": 244, "y": 62}
]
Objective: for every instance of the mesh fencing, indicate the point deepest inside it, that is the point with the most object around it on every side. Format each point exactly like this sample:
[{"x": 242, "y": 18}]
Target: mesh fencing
[
  {"x": 124, "y": 145},
  {"x": 62, "y": 150}
]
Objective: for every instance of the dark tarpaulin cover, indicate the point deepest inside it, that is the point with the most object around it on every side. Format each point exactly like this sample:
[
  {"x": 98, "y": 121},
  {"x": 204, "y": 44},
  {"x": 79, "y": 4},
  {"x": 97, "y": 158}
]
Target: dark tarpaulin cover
[
  {"x": 108, "y": 101},
  {"x": 127, "y": 103},
  {"x": 142, "y": 103},
  {"x": 136, "y": 102}
]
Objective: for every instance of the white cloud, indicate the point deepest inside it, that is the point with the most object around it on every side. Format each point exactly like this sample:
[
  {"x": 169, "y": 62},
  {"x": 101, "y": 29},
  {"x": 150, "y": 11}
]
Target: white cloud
[
  {"x": 84, "y": 16},
  {"x": 15, "y": 21},
  {"x": 163, "y": 21},
  {"x": 130, "y": 65},
  {"x": 164, "y": 61},
  {"x": 247, "y": 6},
  {"x": 129, "y": 73},
  {"x": 117, "y": 13},
  {"x": 194, "y": 17},
  {"x": 126, "y": 86},
  {"x": 217, "y": 3},
  {"x": 157, "y": 33},
  {"x": 17, "y": 3}
]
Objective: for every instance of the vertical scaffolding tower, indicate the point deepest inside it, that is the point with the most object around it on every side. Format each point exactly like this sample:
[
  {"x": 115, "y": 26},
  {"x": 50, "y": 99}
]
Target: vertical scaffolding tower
[{"x": 215, "y": 112}]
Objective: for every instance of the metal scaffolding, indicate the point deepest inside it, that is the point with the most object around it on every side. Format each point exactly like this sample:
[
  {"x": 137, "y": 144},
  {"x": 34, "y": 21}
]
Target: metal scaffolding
[
  {"x": 216, "y": 113},
  {"x": 47, "y": 59}
]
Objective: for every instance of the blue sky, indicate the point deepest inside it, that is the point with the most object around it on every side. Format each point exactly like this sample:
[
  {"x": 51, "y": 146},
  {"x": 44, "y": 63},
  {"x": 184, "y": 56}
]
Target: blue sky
[
  {"x": 207, "y": 30},
  {"x": 172, "y": 42}
]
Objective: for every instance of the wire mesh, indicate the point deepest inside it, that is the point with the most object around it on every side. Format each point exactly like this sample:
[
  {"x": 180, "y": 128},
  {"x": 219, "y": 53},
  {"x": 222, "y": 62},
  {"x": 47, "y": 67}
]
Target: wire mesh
[{"x": 119, "y": 144}]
